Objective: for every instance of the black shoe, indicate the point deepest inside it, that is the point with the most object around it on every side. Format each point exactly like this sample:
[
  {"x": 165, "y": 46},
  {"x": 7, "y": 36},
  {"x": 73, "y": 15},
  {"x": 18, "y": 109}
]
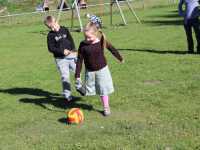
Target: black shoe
[
  {"x": 69, "y": 99},
  {"x": 72, "y": 99},
  {"x": 81, "y": 91}
]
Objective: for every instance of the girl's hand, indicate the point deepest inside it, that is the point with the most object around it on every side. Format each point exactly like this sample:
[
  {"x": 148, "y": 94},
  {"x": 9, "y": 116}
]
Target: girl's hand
[
  {"x": 78, "y": 83},
  {"x": 78, "y": 79}
]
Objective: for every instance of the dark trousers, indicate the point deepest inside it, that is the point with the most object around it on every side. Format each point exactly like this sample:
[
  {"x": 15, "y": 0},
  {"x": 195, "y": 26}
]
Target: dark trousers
[{"x": 192, "y": 23}]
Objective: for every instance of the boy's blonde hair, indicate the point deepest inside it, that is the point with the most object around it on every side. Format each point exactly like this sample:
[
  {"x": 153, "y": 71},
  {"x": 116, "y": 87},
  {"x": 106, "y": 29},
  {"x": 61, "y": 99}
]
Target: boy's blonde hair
[{"x": 97, "y": 32}]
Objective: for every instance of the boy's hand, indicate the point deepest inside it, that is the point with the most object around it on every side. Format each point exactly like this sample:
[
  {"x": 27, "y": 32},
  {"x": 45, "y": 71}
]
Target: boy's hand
[{"x": 66, "y": 52}]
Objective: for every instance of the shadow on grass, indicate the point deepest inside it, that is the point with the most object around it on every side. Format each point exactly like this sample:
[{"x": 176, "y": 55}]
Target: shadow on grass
[
  {"x": 173, "y": 16},
  {"x": 62, "y": 120},
  {"x": 176, "y": 22},
  {"x": 45, "y": 99},
  {"x": 155, "y": 51},
  {"x": 176, "y": 15},
  {"x": 170, "y": 18},
  {"x": 28, "y": 91},
  {"x": 45, "y": 32}
]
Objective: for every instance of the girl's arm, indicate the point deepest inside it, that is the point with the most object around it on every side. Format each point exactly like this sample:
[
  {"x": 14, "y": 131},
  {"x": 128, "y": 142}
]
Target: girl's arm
[
  {"x": 114, "y": 51},
  {"x": 79, "y": 63}
]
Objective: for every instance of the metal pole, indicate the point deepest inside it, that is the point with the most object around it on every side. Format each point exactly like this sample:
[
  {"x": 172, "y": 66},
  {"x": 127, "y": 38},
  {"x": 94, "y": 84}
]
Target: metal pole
[
  {"x": 121, "y": 12},
  {"x": 9, "y": 19},
  {"x": 72, "y": 16},
  {"x": 60, "y": 10},
  {"x": 143, "y": 4},
  {"x": 111, "y": 11},
  {"x": 101, "y": 8},
  {"x": 78, "y": 14},
  {"x": 133, "y": 12}
]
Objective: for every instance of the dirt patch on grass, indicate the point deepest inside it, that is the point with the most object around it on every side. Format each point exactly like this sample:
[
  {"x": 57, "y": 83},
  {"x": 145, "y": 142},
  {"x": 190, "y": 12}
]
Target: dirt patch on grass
[{"x": 152, "y": 82}]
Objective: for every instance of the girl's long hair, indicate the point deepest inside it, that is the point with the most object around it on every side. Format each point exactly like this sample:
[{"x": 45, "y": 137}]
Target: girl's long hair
[{"x": 97, "y": 32}]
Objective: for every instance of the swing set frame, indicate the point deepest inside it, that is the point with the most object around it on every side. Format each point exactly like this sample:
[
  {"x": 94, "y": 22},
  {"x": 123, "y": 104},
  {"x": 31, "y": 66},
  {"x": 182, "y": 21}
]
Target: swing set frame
[{"x": 76, "y": 9}]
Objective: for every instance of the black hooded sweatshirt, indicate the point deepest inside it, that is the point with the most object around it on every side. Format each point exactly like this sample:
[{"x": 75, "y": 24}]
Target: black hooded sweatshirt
[{"x": 58, "y": 41}]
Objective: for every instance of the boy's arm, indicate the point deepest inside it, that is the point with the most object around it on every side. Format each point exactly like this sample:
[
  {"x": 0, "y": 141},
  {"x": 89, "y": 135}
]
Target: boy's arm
[
  {"x": 52, "y": 47},
  {"x": 114, "y": 51},
  {"x": 79, "y": 63},
  {"x": 180, "y": 8}
]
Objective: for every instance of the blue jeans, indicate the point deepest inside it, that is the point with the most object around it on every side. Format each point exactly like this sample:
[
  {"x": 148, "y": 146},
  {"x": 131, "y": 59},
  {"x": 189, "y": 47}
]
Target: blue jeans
[
  {"x": 192, "y": 23},
  {"x": 65, "y": 65}
]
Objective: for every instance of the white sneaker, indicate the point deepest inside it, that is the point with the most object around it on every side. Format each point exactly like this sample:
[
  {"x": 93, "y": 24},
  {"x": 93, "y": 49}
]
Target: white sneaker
[{"x": 106, "y": 111}]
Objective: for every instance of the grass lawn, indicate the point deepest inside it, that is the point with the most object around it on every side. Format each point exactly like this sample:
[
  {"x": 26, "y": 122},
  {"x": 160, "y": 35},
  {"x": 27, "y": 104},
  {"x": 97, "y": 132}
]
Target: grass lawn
[{"x": 156, "y": 104}]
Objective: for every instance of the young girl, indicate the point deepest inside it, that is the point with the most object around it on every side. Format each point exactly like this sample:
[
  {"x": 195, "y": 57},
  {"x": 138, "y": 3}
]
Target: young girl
[{"x": 98, "y": 79}]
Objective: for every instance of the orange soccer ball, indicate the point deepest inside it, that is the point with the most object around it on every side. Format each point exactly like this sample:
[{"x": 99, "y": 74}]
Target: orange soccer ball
[{"x": 75, "y": 116}]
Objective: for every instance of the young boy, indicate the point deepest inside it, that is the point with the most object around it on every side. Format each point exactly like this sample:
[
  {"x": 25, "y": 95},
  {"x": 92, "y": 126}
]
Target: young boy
[
  {"x": 191, "y": 20},
  {"x": 61, "y": 44}
]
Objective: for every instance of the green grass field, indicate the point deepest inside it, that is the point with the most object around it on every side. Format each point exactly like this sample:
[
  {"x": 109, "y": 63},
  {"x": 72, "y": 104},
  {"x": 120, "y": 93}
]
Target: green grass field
[{"x": 156, "y": 104}]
